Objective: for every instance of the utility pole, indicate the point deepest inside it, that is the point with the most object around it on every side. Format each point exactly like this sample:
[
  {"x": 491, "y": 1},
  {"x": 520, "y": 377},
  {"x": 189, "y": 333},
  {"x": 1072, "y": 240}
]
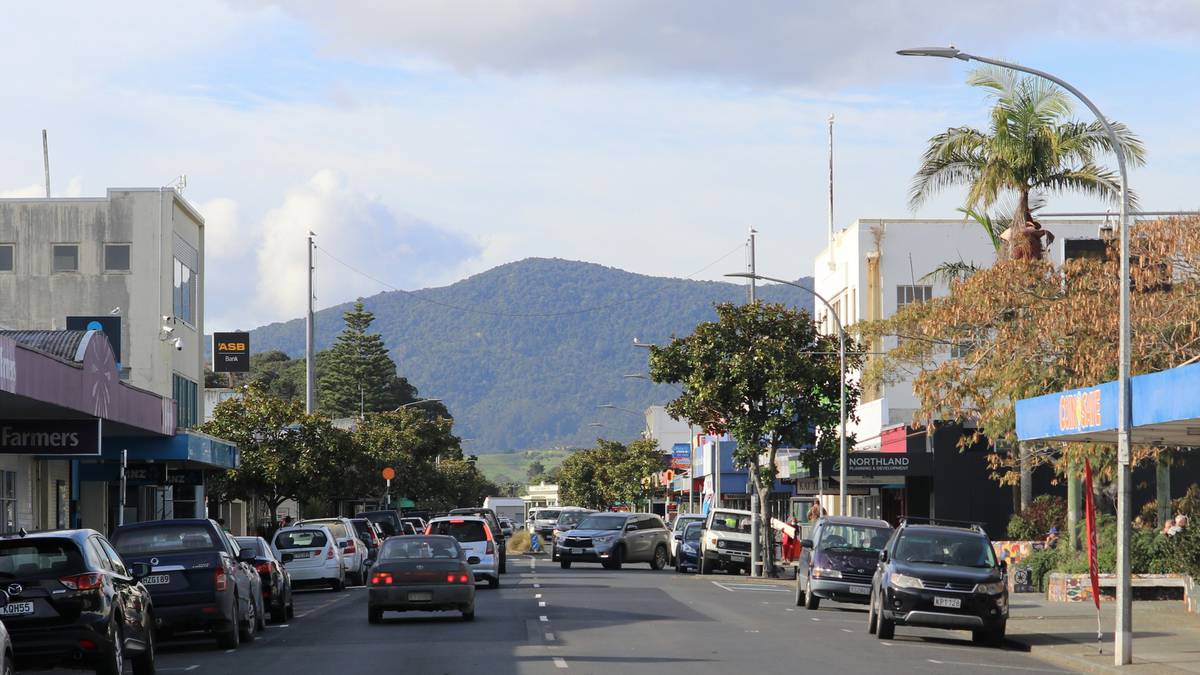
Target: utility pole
[
  {"x": 310, "y": 384},
  {"x": 753, "y": 281},
  {"x": 830, "y": 213},
  {"x": 46, "y": 160}
]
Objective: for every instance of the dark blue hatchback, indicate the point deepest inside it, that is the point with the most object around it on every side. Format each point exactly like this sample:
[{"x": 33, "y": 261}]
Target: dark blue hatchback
[{"x": 839, "y": 561}]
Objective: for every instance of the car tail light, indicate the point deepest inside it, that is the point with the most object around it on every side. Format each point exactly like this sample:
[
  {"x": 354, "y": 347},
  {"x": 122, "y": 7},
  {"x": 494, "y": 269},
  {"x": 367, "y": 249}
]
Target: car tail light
[
  {"x": 82, "y": 582},
  {"x": 381, "y": 579},
  {"x": 263, "y": 568},
  {"x": 462, "y": 578},
  {"x": 450, "y": 578},
  {"x": 460, "y": 521},
  {"x": 350, "y": 548},
  {"x": 491, "y": 548},
  {"x": 328, "y": 553},
  {"x": 457, "y": 578},
  {"x": 222, "y": 581}
]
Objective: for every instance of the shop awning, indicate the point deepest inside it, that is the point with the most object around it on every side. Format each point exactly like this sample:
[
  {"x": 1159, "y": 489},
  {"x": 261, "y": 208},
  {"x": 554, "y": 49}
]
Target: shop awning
[
  {"x": 193, "y": 447},
  {"x": 1165, "y": 405}
]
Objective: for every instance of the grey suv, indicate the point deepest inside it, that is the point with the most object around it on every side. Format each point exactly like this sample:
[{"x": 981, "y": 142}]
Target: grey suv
[{"x": 613, "y": 539}]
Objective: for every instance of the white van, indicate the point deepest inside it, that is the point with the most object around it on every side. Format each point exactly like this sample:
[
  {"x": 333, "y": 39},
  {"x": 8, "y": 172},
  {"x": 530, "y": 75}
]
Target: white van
[{"x": 512, "y": 508}]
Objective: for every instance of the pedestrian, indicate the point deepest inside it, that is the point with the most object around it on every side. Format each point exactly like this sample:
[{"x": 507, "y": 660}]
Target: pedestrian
[
  {"x": 1181, "y": 521},
  {"x": 815, "y": 511},
  {"x": 1175, "y": 525},
  {"x": 1169, "y": 527},
  {"x": 1052, "y": 538},
  {"x": 286, "y": 521}
]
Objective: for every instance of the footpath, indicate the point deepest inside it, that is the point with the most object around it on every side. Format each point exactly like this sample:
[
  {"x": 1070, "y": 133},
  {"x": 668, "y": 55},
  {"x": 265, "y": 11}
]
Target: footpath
[{"x": 1166, "y": 638}]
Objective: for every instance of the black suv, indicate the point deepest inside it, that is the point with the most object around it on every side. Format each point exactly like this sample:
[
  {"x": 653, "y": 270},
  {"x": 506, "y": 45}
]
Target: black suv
[
  {"x": 493, "y": 525},
  {"x": 942, "y": 577},
  {"x": 73, "y": 601}
]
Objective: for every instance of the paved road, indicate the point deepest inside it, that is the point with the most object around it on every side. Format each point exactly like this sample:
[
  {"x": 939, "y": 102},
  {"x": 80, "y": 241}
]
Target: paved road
[{"x": 588, "y": 620}]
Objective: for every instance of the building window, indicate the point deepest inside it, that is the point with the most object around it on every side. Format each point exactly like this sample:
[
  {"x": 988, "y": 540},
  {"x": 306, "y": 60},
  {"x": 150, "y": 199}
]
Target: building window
[
  {"x": 909, "y": 295},
  {"x": 116, "y": 257},
  {"x": 8, "y": 501},
  {"x": 6, "y": 257},
  {"x": 66, "y": 258},
  {"x": 184, "y": 391},
  {"x": 184, "y": 293}
]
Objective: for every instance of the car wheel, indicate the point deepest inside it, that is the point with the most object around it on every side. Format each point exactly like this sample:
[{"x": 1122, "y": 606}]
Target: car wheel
[
  {"x": 374, "y": 615},
  {"x": 503, "y": 561},
  {"x": 8, "y": 664},
  {"x": 279, "y": 613},
  {"x": 494, "y": 582},
  {"x": 705, "y": 567},
  {"x": 291, "y": 606},
  {"x": 251, "y": 624},
  {"x": 678, "y": 567},
  {"x": 469, "y": 613},
  {"x": 885, "y": 628},
  {"x": 261, "y": 615},
  {"x": 872, "y": 618},
  {"x": 799, "y": 593},
  {"x": 614, "y": 561},
  {"x": 143, "y": 664},
  {"x": 811, "y": 601},
  {"x": 993, "y": 637},
  {"x": 564, "y": 563},
  {"x": 338, "y": 585},
  {"x": 114, "y": 661},
  {"x": 660, "y": 558},
  {"x": 231, "y": 637}
]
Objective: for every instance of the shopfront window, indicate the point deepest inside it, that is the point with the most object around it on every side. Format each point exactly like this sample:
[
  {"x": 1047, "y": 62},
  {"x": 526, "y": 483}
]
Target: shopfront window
[{"x": 8, "y": 501}]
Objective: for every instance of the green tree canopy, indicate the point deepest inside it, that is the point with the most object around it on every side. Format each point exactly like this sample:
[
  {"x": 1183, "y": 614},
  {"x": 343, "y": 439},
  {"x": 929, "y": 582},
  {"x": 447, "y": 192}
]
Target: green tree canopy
[{"x": 609, "y": 474}]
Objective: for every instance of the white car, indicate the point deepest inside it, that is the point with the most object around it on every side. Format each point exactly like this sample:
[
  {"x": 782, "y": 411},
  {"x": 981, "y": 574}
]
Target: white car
[
  {"x": 681, "y": 523},
  {"x": 311, "y": 555},
  {"x": 475, "y": 537},
  {"x": 6, "y": 648},
  {"x": 353, "y": 549}
]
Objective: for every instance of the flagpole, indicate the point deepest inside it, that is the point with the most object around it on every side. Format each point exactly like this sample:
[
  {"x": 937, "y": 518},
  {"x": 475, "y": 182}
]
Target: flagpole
[{"x": 1089, "y": 518}]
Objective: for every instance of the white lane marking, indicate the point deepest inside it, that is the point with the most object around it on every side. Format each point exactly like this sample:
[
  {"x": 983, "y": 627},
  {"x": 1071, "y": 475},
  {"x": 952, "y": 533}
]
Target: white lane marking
[
  {"x": 847, "y": 630},
  {"x": 537, "y": 585},
  {"x": 756, "y": 587},
  {"x": 560, "y": 662},
  {"x": 886, "y": 644},
  {"x": 995, "y": 665},
  {"x": 229, "y": 651},
  {"x": 789, "y": 609},
  {"x": 814, "y": 618},
  {"x": 550, "y": 637},
  {"x": 721, "y": 585},
  {"x": 192, "y": 667},
  {"x": 542, "y": 603},
  {"x": 543, "y": 618},
  {"x": 536, "y": 596}
]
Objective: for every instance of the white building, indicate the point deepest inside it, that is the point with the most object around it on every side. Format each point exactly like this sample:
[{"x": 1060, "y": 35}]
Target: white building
[
  {"x": 666, "y": 431},
  {"x": 867, "y": 272}
]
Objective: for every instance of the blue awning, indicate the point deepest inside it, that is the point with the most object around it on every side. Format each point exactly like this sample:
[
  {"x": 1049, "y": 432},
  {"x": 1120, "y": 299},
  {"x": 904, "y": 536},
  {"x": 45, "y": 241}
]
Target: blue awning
[
  {"x": 1165, "y": 405},
  {"x": 185, "y": 446}
]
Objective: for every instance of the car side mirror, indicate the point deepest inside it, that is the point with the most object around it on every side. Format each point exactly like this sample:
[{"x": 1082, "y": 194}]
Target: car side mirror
[
  {"x": 287, "y": 558},
  {"x": 473, "y": 560},
  {"x": 678, "y": 537},
  {"x": 140, "y": 570},
  {"x": 369, "y": 562},
  {"x": 245, "y": 555},
  {"x": 806, "y": 543},
  {"x": 883, "y": 556},
  {"x": 1004, "y": 566}
]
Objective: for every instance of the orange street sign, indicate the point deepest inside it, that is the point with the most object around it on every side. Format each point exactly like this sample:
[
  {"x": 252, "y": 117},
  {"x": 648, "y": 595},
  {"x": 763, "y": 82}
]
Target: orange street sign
[{"x": 389, "y": 473}]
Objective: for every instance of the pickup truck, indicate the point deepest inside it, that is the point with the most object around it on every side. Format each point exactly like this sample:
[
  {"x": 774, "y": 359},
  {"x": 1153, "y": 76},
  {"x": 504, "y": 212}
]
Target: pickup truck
[{"x": 725, "y": 543}]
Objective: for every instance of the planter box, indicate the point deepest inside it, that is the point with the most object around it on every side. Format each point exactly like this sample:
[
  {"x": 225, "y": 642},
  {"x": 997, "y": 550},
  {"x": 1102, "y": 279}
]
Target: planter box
[{"x": 1078, "y": 588}]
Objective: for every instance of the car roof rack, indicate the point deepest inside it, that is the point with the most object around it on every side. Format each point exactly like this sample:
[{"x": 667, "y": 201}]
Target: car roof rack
[{"x": 920, "y": 520}]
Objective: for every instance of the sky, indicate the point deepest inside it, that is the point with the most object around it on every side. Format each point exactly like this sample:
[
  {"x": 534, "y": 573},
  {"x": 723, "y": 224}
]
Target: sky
[{"x": 427, "y": 141}]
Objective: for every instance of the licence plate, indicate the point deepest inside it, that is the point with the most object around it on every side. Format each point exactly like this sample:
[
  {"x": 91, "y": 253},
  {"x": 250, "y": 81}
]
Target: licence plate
[
  {"x": 157, "y": 579},
  {"x": 16, "y": 609},
  {"x": 860, "y": 590},
  {"x": 420, "y": 597},
  {"x": 737, "y": 558},
  {"x": 952, "y": 603},
  {"x": 576, "y": 551}
]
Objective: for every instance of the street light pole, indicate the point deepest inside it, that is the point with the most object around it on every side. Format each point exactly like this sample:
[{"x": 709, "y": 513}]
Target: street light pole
[
  {"x": 843, "y": 507},
  {"x": 1123, "y": 652}
]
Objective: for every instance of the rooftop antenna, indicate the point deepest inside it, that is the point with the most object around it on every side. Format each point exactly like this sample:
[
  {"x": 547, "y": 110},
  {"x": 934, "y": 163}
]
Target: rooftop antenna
[{"x": 46, "y": 160}]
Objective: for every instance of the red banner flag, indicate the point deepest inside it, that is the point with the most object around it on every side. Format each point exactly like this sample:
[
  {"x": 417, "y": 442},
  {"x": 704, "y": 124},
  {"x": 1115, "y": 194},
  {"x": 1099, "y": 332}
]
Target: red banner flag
[{"x": 1089, "y": 509}]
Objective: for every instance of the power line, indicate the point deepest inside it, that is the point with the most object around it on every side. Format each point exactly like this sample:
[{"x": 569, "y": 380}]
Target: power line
[{"x": 476, "y": 310}]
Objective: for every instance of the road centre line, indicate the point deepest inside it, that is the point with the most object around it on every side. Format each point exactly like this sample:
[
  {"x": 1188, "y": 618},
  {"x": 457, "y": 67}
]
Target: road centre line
[
  {"x": 543, "y": 618},
  {"x": 542, "y": 603},
  {"x": 550, "y": 637},
  {"x": 560, "y": 662},
  {"x": 537, "y": 596}
]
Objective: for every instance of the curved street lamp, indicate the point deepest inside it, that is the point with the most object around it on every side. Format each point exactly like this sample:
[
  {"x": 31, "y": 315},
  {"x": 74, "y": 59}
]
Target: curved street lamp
[
  {"x": 843, "y": 507},
  {"x": 1123, "y": 652}
]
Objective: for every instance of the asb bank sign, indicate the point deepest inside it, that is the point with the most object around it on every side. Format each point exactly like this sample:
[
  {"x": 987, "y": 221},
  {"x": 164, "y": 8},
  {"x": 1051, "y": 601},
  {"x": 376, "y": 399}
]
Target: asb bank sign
[
  {"x": 231, "y": 352},
  {"x": 50, "y": 437}
]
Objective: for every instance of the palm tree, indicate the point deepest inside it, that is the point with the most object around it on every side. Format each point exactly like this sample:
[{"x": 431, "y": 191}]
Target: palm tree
[{"x": 1031, "y": 146}]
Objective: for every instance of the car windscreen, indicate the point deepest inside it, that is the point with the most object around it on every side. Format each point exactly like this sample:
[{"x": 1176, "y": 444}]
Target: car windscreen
[
  {"x": 731, "y": 522},
  {"x": 693, "y": 531},
  {"x": 462, "y": 530},
  {"x": 683, "y": 521},
  {"x": 39, "y": 559},
  {"x": 602, "y": 523},
  {"x": 165, "y": 538},
  {"x": 363, "y": 528},
  {"x": 337, "y": 527},
  {"x": 252, "y": 544},
  {"x": 837, "y": 537},
  {"x": 965, "y": 549},
  {"x": 570, "y": 519},
  {"x": 548, "y": 514},
  {"x": 417, "y": 548},
  {"x": 300, "y": 539}
]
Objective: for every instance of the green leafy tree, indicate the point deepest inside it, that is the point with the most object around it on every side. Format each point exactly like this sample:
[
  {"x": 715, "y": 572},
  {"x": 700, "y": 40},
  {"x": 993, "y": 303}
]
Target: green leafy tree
[
  {"x": 410, "y": 442},
  {"x": 459, "y": 483},
  {"x": 609, "y": 474},
  {"x": 579, "y": 479},
  {"x": 535, "y": 470},
  {"x": 764, "y": 374},
  {"x": 1031, "y": 146}
]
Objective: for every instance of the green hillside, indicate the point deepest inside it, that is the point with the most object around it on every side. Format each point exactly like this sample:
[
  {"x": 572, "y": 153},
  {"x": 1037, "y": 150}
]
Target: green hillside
[
  {"x": 524, "y": 353},
  {"x": 513, "y": 467}
]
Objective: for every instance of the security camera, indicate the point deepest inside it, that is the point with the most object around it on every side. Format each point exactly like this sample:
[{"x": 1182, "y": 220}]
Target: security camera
[
  {"x": 178, "y": 342},
  {"x": 168, "y": 329}
]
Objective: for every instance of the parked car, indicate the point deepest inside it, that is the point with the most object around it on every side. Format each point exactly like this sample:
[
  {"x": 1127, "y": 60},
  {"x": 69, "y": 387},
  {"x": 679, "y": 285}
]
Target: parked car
[
  {"x": 72, "y": 600},
  {"x": 353, "y": 550},
  {"x": 839, "y": 562},
  {"x": 687, "y": 554},
  {"x": 613, "y": 539},
  {"x": 310, "y": 555},
  {"x": 543, "y": 524},
  {"x": 506, "y": 526},
  {"x": 494, "y": 524},
  {"x": 682, "y": 521},
  {"x": 387, "y": 520},
  {"x": 418, "y": 523},
  {"x": 276, "y": 582},
  {"x": 200, "y": 580},
  {"x": 568, "y": 518},
  {"x": 368, "y": 532},
  {"x": 725, "y": 544},
  {"x": 940, "y": 576},
  {"x": 423, "y": 573},
  {"x": 475, "y": 537},
  {"x": 411, "y": 529}
]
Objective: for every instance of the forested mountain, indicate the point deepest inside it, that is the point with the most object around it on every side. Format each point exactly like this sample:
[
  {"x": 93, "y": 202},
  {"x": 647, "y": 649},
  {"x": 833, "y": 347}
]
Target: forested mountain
[{"x": 523, "y": 354}]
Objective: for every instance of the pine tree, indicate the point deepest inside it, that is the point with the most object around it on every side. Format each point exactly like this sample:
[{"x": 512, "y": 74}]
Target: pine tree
[{"x": 359, "y": 374}]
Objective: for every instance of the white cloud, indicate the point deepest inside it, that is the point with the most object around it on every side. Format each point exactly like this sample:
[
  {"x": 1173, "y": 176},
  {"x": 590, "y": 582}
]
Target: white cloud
[
  {"x": 224, "y": 238},
  {"x": 37, "y": 190}
]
